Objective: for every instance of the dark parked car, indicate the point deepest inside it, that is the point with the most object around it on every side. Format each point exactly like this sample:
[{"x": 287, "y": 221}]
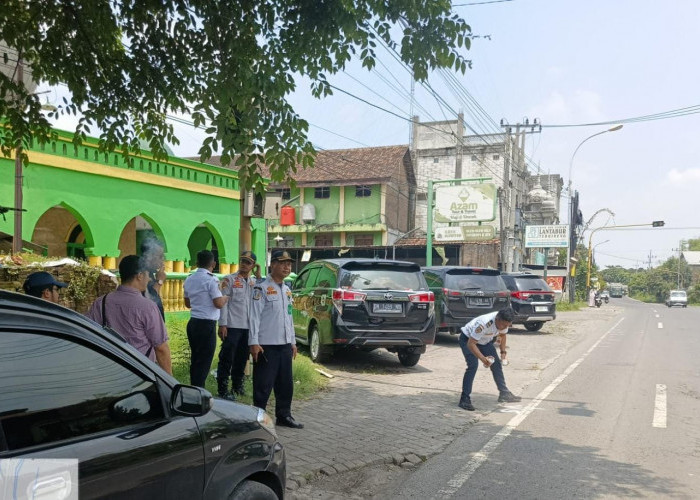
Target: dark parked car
[
  {"x": 73, "y": 390},
  {"x": 364, "y": 304},
  {"x": 463, "y": 293},
  {"x": 531, "y": 299}
]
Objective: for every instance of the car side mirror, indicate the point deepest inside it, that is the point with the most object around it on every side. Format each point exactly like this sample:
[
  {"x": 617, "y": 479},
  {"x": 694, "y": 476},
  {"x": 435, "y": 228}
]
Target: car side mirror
[{"x": 191, "y": 401}]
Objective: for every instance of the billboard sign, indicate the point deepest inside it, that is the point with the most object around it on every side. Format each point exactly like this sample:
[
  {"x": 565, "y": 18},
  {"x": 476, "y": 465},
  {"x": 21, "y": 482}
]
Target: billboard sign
[
  {"x": 465, "y": 203},
  {"x": 553, "y": 236},
  {"x": 465, "y": 233}
]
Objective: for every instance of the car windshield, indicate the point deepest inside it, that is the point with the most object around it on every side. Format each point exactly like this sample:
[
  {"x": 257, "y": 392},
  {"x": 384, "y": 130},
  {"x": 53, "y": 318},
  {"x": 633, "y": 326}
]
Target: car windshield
[
  {"x": 373, "y": 277},
  {"x": 532, "y": 284},
  {"x": 472, "y": 282}
]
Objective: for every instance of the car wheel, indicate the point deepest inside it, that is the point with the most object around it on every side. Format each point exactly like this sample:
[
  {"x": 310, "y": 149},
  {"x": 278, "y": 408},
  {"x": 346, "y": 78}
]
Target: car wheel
[
  {"x": 319, "y": 353},
  {"x": 252, "y": 490},
  {"x": 534, "y": 326},
  {"x": 408, "y": 358}
]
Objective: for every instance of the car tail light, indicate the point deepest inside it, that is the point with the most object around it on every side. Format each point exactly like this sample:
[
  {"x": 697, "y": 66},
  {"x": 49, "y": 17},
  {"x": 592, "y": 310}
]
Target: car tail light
[
  {"x": 521, "y": 295},
  {"x": 502, "y": 294},
  {"x": 451, "y": 293},
  {"x": 340, "y": 296},
  {"x": 422, "y": 297}
]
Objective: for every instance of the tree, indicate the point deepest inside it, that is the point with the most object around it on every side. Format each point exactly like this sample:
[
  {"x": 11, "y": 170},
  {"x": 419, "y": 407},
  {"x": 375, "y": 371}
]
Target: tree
[{"x": 230, "y": 64}]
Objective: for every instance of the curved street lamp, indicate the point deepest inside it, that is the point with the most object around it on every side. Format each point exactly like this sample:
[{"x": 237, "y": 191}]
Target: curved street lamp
[
  {"x": 656, "y": 223},
  {"x": 571, "y": 226}
]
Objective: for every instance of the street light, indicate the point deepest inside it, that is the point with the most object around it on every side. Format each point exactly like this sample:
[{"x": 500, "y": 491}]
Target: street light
[
  {"x": 571, "y": 215},
  {"x": 656, "y": 223}
]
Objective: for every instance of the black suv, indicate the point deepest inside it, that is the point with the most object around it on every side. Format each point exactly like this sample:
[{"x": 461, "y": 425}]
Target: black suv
[
  {"x": 73, "y": 390},
  {"x": 364, "y": 304},
  {"x": 463, "y": 293},
  {"x": 532, "y": 300}
]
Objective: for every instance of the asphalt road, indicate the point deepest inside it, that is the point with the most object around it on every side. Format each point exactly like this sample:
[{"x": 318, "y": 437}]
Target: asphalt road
[{"x": 616, "y": 416}]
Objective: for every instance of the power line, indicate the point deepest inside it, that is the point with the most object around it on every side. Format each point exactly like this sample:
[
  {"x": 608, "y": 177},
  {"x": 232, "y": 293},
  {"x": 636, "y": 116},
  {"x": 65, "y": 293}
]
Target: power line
[
  {"x": 479, "y": 3},
  {"x": 664, "y": 115}
]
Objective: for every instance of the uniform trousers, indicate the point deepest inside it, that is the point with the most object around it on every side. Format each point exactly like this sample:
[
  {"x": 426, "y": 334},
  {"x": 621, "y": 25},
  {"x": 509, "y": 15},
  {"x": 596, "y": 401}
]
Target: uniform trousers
[
  {"x": 473, "y": 364},
  {"x": 201, "y": 334},
  {"x": 233, "y": 357},
  {"x": 273, "y": 371}
]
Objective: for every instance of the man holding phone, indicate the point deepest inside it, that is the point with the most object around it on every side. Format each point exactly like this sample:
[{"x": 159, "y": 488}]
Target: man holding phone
[{"x": 233, "y": 325}]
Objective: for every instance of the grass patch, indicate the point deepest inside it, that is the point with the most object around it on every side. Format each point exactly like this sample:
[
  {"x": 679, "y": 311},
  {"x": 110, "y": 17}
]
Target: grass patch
[
  {"x": 571, "y": 306},
  {"x": 307, "y": 381}
]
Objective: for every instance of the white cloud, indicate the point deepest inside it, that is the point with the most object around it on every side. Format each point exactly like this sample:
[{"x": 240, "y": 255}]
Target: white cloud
[{"x": 683, "y": 178}]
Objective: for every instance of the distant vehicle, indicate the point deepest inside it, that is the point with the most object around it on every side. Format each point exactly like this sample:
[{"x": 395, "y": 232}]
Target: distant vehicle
[
  {"x": 677, "y": 298},
  {"x": 463, "y": 293},
  {"x": 616, "y": 290},
  {"x": 72, "y": 389},
  {"x": 363, "y": 304},
  {"x": 531, "y": 299}
]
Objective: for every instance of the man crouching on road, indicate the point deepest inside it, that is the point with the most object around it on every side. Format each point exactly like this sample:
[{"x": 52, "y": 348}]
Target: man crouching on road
[
  {"x": 271, "y": 340},
  {"x": 477, "y": 342}
]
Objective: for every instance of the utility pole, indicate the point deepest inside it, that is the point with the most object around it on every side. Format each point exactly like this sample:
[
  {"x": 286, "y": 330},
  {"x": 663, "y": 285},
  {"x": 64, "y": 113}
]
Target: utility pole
[
  {"x": 17, "y": 229},
  {"x": 460, "y": 145},
  {"x": 650, "y": 259},
  {"x": 514, "y": 170}
]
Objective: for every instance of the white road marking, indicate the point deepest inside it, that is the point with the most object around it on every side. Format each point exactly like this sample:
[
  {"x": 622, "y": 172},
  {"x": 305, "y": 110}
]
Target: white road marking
[
  {"x": 660, "y": 407},
  {"x": 478, "y": 458},
  {"x": 661, "y": 325},
  {"x": 657, "y": 315}
]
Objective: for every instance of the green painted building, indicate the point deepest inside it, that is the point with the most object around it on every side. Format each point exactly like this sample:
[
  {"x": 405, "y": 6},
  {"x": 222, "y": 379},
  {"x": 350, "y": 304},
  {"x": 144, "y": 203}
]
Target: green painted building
[{"x": 82, "y": 202}]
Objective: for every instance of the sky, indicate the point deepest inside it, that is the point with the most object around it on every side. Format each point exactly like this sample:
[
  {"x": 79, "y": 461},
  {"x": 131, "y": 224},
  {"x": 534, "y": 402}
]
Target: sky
[{"x": 563, "y": 62}]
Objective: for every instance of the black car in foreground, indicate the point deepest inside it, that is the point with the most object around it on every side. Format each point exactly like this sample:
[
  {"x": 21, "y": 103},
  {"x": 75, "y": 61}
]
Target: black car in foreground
[
  {"x": 74, "y": 391},
  {"x": 531, "y": 299},
  {"x": 363, "y": 304},
  {"x": 463, "y": 293}
]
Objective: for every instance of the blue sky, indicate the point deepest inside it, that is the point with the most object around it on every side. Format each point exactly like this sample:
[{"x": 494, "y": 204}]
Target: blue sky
[{"x": 563, "y": 62}]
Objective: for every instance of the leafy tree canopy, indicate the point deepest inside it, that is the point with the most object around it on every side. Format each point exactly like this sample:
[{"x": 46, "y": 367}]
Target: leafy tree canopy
[{"x": 229, "y": 64}]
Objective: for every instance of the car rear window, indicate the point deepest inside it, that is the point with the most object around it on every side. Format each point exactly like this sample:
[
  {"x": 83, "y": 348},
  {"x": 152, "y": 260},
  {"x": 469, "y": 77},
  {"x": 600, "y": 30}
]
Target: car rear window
[
  {"x": 471, "y": 281},
  {"x": 678, "y": 294},
  {"x": 532, "y": 284},
  {"x": 381, "y": 277}
]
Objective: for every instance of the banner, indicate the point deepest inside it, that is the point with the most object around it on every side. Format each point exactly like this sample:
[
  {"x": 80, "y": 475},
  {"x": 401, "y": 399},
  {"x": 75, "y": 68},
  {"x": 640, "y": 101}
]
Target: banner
[
  {"x": 465, "y": 233},
  {"x": 465, "y": 203},
  {"x": 554, "y": 236}
]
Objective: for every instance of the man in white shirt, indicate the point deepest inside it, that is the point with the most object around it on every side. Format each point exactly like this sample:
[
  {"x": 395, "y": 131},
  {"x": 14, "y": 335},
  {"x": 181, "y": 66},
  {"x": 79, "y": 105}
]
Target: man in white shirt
[
  {"x": 477, "y": 343},
  {"x": 204, "y": 298}
]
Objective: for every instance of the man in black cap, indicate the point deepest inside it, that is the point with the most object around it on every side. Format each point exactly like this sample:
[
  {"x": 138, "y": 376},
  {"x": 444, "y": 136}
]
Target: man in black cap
[
  {"x": 272, "y": 342},
  {"x": 44, "y": 286},
  {"x": 233, "y": 325}
]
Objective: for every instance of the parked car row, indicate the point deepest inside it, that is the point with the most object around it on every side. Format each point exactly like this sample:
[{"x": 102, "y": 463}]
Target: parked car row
[{"x": 368, "y": 304}]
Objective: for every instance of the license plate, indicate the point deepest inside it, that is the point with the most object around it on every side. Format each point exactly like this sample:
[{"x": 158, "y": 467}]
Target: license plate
[
  {"x": 387, "y": 308},
  {"x": 541, "y": 309},
  {"x": 479, "y": 301}
]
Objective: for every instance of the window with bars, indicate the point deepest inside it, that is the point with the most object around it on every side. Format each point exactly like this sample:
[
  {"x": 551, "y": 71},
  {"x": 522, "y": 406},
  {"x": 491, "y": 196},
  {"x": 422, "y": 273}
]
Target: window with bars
[
  {"x": 364, "y": 240},
  {"x": 363, "y": 191},
  {"x": 322, "y": 192},
  {"x": 323, "y": 240},
  {"x": 286, "y": 193}
]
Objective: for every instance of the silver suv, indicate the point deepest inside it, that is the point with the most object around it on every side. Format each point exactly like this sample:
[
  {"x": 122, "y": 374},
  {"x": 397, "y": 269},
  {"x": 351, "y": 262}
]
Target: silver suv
[{"x": 677, "y": 298}]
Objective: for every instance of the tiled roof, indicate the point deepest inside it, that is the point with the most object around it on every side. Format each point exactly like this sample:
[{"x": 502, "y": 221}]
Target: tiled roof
[{"x": 351, "y": 166}]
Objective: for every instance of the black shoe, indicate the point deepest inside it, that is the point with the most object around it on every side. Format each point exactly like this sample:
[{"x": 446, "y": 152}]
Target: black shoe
[
  {"x": 289, "y": 422},
  {"x": 509, "y": 397},
  {"x": 239, "y": 389},
  {"x": 227, "y": 395},
  {"x": 466, "y": 405}
]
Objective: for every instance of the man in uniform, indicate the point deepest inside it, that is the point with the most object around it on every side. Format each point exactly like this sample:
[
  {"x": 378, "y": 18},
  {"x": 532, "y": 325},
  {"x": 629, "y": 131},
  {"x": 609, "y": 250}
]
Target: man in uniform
[
  {"x": 272, "y": 341},
  {"x": 44, "y": 286},
  {"x": 477, "y": 342},
  {"x": 203, "y": 296},
  {"x": 233, "y": 325}
]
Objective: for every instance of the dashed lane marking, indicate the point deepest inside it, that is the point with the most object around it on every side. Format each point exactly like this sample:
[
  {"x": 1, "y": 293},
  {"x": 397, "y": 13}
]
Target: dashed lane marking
[
  {"x": 478, "y": 458},
  {"x": 660, "y": 407},
  {"x": 661, "y": 325}
]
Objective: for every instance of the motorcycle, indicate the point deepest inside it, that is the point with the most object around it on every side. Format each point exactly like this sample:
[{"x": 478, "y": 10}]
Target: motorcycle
[
  {"x": 598, "y": 301},
  {"x": 606, "y": 299}
]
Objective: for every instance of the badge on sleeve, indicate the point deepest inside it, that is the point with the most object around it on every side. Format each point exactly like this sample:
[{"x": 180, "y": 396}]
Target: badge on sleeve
[
  {"x": 489, "y": 323},
  {"x": 257, "y": 293},
  {"x": 479, "y": 329}
]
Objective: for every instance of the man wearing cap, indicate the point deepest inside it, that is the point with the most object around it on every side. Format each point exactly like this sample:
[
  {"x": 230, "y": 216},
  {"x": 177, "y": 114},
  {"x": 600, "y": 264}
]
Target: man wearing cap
[
  {"x": 233, "y": 325},
  {"x": 203, "y": 296},
  {"x": 272, "y": 342},
  {"x": 44, "y": 286}
]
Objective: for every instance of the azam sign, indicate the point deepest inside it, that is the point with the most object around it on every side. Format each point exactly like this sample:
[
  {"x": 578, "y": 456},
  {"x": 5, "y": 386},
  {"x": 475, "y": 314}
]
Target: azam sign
[
  {"x": 555, "y": 236},
  {"x": 465, "y": 203}
]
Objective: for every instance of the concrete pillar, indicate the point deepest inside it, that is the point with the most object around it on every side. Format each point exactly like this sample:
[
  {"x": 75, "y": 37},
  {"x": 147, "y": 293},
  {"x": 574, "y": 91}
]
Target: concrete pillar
[
  {"x": 168, "y": 266},
  {"x": 224, "y": 268},
  {"x": 95, "y": 260},
  {"x": 109, "y": 263},
  {"x": 179, "y": 266}
]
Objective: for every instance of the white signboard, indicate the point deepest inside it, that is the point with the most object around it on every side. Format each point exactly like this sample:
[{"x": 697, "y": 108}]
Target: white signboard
[
  {"x": 555, "y": 236},
  {"x": 465, "y": 203}
]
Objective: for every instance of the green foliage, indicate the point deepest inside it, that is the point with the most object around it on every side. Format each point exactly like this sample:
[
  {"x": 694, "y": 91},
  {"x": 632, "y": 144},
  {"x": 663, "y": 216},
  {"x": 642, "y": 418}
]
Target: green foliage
[
  {"x": 307, "y": 381},
  {"x": 82, "y": 285},
  {"x": 693, "y": 245},
  {"x": 231, "y": 65},
  {"x": 570, "y": 306}
]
